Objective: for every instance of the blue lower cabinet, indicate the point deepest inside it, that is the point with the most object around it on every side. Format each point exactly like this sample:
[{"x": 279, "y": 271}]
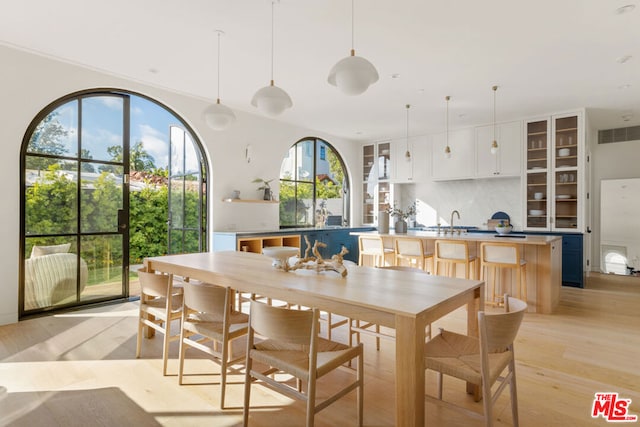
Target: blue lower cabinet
[
  {"x": 342, "y": 238},
  {"x": 335, "y": 239},
  {"x": 572, "y": 260}
]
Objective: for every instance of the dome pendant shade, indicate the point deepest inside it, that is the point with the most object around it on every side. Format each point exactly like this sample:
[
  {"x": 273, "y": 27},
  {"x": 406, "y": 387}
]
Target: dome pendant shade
[
  {"x": 353, "y": 75},
  {"x": 219, "y": 116},
  {"x": 271, "y": 100}
]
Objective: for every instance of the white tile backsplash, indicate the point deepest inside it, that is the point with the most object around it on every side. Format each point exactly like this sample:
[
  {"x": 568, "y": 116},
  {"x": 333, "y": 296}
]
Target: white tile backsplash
[{"x": 476, "y": 200}]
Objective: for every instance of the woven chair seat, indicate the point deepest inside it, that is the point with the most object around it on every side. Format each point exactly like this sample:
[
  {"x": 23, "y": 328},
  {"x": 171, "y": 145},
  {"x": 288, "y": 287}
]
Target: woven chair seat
[
  {"x": 459, "y": 356},
  {"x": 295, "y": 359}
]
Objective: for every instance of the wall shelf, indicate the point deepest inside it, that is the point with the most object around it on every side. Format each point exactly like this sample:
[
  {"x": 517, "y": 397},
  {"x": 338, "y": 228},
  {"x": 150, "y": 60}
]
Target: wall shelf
[{"x": 229, "y": 200}]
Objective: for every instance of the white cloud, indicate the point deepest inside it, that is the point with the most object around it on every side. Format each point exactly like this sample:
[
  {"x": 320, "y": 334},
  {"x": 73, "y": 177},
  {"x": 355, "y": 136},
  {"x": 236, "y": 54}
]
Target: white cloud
[
  {"x": 112, "y": 102},
  {"x": 98, "y": 142},
  {"x": 155, "y": 143}
]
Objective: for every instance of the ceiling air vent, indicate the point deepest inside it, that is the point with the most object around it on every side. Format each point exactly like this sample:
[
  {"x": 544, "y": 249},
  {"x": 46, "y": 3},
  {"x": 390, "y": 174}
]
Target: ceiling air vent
[{"x": 619, "y": 135}]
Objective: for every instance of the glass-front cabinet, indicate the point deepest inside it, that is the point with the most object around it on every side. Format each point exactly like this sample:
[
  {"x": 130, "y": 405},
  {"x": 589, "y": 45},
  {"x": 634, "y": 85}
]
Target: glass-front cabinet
[
  {"x": 369, "y": 181},
  {"x": 554, "y": 173},
  {"x": 537, "y": 162},
  {"x": 566, "y": 175},
  {"x": 376, "y": 180}
]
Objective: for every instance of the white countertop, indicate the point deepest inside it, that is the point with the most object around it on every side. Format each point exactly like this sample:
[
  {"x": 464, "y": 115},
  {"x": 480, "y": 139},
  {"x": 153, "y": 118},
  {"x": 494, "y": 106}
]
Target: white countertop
[{"x": 529, "y": 239}]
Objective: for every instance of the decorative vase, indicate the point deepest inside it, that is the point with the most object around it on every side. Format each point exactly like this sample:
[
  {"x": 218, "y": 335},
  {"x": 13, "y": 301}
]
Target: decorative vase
[
  {"x": 401, "y": 226},
  {"x": 383, "y": 222},
  {"x": 267, "y": 194}
]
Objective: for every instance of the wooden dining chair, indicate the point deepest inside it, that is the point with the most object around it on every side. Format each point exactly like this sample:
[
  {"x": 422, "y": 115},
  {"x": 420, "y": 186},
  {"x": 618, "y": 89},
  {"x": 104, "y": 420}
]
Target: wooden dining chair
[
  {"x": 412, "y": 251},
  {"x": 480, "y": 361},
  {"x": 291, "y": 345},
  {"x": 160, "y": 304},
  {"x": 210, "y": 324}
]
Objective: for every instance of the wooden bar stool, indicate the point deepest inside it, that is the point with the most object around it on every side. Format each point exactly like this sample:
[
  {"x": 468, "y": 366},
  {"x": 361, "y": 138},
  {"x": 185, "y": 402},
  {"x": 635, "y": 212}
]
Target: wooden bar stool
[
  {"x": 374, "y": 246},
  {"x": 412, "y": 250},
  {"x": 496, "y": 256},
  {"x": 451, "y": 253}
]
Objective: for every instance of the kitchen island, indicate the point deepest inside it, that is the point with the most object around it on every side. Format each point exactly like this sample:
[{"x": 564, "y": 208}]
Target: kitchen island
[{"x": 542, "y": 252}]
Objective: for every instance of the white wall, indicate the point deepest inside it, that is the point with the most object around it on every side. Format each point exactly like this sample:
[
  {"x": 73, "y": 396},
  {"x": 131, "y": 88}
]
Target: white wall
[
  {"x": 610, "y": 161},
  {"x": 30, "y": 82}
]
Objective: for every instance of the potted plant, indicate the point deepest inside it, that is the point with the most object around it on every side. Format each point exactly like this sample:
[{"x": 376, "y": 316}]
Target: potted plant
[
  {"x": 268, "y": 195},
  {"x": 401, "y": 216}
]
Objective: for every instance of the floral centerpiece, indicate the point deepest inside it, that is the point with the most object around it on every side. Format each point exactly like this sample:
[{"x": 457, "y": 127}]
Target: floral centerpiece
[{"x": 401, "y": 216}]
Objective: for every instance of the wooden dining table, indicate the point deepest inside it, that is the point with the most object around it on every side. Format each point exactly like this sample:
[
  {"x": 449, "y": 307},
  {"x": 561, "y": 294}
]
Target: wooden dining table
[{"x": 403, "y": 300}]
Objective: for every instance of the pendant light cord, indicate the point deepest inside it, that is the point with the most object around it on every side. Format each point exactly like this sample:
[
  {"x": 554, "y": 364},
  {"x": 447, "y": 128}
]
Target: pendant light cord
[
  {"x": 447, "y": 121},
  {"x": 408, "y": 106},
  {"x": 495, "y": 88},
  {"x": 353, "y": 13},
  {"x": 219, "y": 67},
  {"x": 272, "y": 37}
]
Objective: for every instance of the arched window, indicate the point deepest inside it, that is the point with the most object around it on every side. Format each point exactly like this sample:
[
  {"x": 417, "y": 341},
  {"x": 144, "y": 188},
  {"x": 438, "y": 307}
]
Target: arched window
[
  {"x": 109, "y": 178},
  {"x": 314, "y": 188}
]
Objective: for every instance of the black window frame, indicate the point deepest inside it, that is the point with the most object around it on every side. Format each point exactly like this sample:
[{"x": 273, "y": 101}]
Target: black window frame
[{"x": 345, "y": 185}]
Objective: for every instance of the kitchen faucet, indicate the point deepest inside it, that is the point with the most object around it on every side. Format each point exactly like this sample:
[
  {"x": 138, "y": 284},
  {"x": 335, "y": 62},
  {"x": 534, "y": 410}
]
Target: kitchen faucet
[{"x": 451, "y": 223}]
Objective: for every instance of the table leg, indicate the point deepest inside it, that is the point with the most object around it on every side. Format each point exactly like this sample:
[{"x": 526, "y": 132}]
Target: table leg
[
  {"x": 475, "y": 305},
  {"x": 409, "y": 372}
]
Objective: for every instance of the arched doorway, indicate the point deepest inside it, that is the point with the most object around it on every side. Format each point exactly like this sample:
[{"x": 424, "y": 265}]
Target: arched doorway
[{"x": 105, "y": 175}]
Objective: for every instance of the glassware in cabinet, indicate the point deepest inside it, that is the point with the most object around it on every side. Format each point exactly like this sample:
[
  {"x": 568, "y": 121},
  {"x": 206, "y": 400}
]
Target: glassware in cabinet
[
  {"x": 369, "y": 183},
  {"x": 537, "y": 140},
  {"x": 368, "y": 165},
  {"x": 368, "y": 203},
  {"x": 384, "y": 161},
  {"x": 566, "y": 199},
  {"x": 566, "y": 142},
  {"x": 537, "y": 203},
  {"x": 384, "y": 196}
]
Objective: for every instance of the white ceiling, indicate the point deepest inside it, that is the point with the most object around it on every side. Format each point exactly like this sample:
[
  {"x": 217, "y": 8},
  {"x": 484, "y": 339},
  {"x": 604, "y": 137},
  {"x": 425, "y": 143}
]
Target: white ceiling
[{"x": 545, "y": 55}]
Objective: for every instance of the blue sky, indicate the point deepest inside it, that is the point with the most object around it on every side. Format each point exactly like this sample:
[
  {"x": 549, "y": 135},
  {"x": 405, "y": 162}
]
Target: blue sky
[{"x": 102, "y": 126}]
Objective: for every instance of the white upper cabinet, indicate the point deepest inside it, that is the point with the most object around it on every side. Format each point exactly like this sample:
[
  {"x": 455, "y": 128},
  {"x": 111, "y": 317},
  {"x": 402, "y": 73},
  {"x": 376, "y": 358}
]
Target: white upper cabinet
[
  {"x": 412, "y": 169},
  {"x": 507, "y": 161},
  {"x": 403, "y": 166},
  {"x": 461, "y": 164}
]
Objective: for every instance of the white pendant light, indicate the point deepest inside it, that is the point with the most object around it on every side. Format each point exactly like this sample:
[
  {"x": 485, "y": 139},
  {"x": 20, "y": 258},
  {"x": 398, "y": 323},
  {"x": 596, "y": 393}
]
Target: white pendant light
[
  {"x": 447, "y": 149},
  {"x": 353, "y": 74},
  {"x": 271, "y": 100},
  {"x": 407, "y": 154},
  {"x": 218, "y": 116},
  {"x": 494, "y": 144}
]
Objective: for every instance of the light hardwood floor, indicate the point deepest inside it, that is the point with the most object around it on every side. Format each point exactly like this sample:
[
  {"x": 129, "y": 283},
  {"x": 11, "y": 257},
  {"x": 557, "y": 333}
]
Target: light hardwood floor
[{"x": 79, "y": 369}]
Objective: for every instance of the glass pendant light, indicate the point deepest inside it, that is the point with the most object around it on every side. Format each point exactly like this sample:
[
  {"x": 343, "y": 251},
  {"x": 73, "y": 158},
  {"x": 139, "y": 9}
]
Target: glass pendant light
[
  {"x": 353, "y": 75},
  {"x": 494, "y": 144},
  {"x": 271, "y": 100},
  {"x": 407, "y": 154},
  {"x": 447, "y": 149},
  {"x": 218, "y": 116}
]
